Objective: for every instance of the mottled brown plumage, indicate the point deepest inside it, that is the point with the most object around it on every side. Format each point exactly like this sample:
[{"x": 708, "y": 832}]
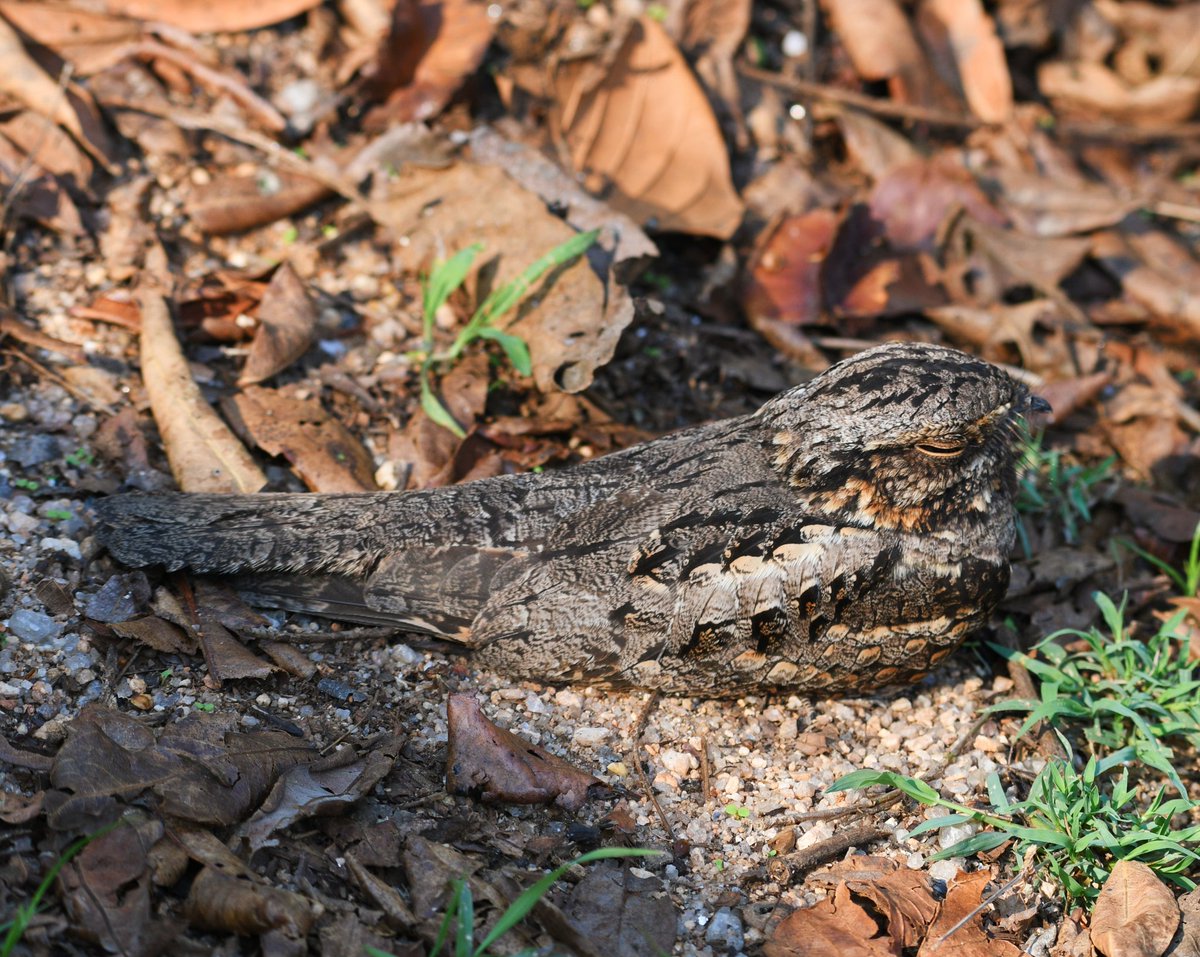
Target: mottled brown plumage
[{"x": 845, "y": 537}]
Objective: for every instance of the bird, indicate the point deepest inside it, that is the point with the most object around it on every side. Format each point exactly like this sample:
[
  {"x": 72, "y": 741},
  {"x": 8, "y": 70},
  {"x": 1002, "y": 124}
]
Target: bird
[{"x": 843, "y": 539}]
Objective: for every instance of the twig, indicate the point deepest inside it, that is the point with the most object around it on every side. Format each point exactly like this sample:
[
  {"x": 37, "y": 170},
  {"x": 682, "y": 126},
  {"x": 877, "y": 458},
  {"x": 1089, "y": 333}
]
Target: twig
[
  {"x": 636, "y": 759},
  {"x": 10, "y": 325},
  {"x": 810, "y": 857},
  {"x": 237, "y": 89},
  {"x": 987, "y": 902},
  {"x": 871, "y": 104},
  {"x": 58, "y": 380}
]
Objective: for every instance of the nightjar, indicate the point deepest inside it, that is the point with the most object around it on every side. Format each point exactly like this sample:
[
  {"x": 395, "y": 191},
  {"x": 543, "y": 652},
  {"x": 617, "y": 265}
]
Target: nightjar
[{"x": 843, "y": 538}]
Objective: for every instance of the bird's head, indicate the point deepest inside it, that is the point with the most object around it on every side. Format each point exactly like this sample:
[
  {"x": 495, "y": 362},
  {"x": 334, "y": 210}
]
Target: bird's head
[{"x": 906, "y": 435}]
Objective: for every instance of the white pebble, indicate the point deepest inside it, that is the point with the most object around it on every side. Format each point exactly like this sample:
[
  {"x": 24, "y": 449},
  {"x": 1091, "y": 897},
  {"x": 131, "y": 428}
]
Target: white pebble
[{"x": 590, "y": 737}]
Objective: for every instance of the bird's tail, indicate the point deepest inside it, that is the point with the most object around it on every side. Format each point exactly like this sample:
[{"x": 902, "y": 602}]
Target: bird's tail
[{"x": 223, "y": 534}]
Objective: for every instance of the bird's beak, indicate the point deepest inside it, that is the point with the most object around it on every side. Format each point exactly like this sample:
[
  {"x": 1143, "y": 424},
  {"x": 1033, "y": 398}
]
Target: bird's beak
[{"x": 1035, "y": 403}]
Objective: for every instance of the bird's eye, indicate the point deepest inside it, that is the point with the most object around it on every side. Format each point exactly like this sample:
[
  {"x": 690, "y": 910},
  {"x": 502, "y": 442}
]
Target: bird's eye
[{"x": 941, "y": 450}]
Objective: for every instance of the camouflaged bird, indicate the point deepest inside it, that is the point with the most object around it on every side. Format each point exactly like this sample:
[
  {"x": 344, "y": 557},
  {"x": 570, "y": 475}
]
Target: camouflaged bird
[{"x": 845, "y": 537}]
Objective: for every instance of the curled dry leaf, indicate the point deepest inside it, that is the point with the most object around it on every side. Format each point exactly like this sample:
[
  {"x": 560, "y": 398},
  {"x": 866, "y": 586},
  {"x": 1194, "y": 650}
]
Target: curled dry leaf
[
  {"x": 784, "y": 273},
  {"x": 335, "y": 782},
  {"x": 69, "y": 106},
  {"x": 571, "y": 321},
  {"x": 211, "y": 16},
  {"x": 1169, "y": 289},
  {"x": 970, "y": 939},
  {"x": 321, "y": 450},
  {"x": 287, "y": 326},
  {"x": 913, "y": 200},
  {"x": 157, "y": 633},
  {"x": 1045, "y": 206},
  {"x": 218, "y": 901},
  {"x": 204, "y": 455},
  {"x": 1092, "y": 90},
  {"x": 432, "y": 47},
  {"x": 977, "y": 52},
  {"x": 1135, "y": 914},
  {"x": 502, "y": 767},
  {"x": 642, "y": 133},
  {"x": 836, "y": 925}
]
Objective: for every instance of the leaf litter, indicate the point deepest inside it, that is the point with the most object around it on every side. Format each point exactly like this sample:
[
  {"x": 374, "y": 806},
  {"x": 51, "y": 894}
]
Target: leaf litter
[{"x": 1013, "y": 182}]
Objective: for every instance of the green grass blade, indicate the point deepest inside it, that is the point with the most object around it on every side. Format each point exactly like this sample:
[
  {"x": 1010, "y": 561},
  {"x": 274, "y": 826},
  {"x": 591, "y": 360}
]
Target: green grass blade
[
  {"x": 514, "y": 347},
  {"x": 435, "y": 410},
  {"x": 443, "y": 279},
  {"x": 508, "y": 295}
]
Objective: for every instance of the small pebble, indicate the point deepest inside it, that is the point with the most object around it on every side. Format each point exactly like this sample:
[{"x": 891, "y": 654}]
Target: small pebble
[
  {"x": 725, "y": 931},
  {"x": 33, "y": 626},
  {"x": 64, "y": 545},
  {"x": 590, "y": 737},
  {"x": 945, "y": 870}
]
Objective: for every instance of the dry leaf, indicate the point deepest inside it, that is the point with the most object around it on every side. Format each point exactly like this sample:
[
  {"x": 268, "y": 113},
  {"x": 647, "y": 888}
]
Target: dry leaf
[
  {"x": 502, "y": 767},
  {"x": 320, "y": 449},
  {"x": 912, "y": 200},
  {"x": 211, "y": 16},
  {"x": 836, "y": 925},
  {"x": 1046, "y": 206},
  {"x": 784, "y": 273},
  {"x": 204, "y": 455},
  {"x": 643, "y": 135},
  {"x": 619, "y": 235},
  {"x": 433, "y": 46},
  {"x": 970, "y": 939},
  {"x": 977, "y": 51},
  {"x": 232, "y": 203},
  {"x": 571, "y": 322},
  {"x": 287, "y": 326},
  {"x": 1135, "y": 914},
  {"x": 69, "y": 106},
  {"x": 1092, "y": 90},
  {"x": 881, "y": 46}
]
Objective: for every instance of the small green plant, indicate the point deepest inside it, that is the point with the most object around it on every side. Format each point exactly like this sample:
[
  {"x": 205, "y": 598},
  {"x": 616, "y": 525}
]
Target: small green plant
[
  {"x": 1186, "y": 578},
  {"x": 58, "y": 514},
  {"x": 206, "y": 706},
  {"x": 15, "y": 929},
  {"x": 1125, "y": 691},
  {"x": 1049, "y": 485},
  {"x": 737, "y": 811},
  {"x": 1073, "y": 827},
  {"x": 446, "y": 276},
  {"x": 460, "y": 912},
  {"x": 28, "y": 484},
  {"x": 80, "y": 458}
]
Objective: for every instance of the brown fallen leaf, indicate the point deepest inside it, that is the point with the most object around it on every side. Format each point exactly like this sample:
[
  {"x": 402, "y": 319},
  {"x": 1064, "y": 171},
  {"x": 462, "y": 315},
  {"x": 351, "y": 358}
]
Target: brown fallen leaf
[
  {"x": 1092, "y": 90},
  {"x": 904, "y": 899},
  {"x": 219, "y": 901},
  {"x": 432, "y": 47},
  {"x": 1045, "y": 206},
  {"x": 619, "y": 235},
  {"x": 105, "y": 890},
  {"x": 499, "y": 766},
  {"x": 211, "y": 16},
  {"x": 640, "y": 131},
  {"x": 204, "y": 455},
  {"x": 337, "y": 781},
  {"x": 835, "y": 925},
  {"x": 783, "y": 280},
  {"x": 912, "y": 200},
  {"x": 1069, "y": 395},
  {"x": 1135, "y": 914},
  {"x": 157, "y": 633},
  {"x": 231, "y": 203},
  {"x": 969, "y": 939},
  {"x": 574, "y": 320},
  {"x": 200, "y": 769},
  {"x": 1159, "y": 281},
  {"x": 620, "y": 913},
  {"x": 1187, "y": 942},
  {"x": 20, "y": 808},
  {"x": 882, "y": 46},
  {"x": 966, "y": 29},
  {"x": 326, "y": 456},
  {"x": 68, "y": 105},
  {"x": 287, "y": 326}
]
